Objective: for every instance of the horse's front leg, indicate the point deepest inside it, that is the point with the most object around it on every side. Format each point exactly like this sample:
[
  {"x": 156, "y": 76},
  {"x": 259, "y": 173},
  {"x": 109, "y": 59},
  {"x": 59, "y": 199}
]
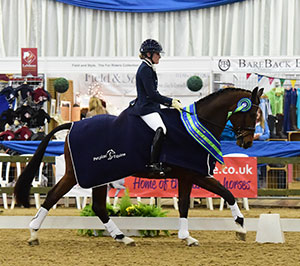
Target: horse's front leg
[
  {"x": 99, "y": 207},
  {"x": 213, "y": 185},
  {"x": 184, "y": 191}
]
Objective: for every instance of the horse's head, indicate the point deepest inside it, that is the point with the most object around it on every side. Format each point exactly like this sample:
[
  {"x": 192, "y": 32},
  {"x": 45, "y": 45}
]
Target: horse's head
[{"x": 244, "y": 121}]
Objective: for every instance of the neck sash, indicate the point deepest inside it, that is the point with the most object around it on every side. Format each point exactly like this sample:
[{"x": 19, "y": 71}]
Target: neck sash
[{"x": 200, "y": 133}]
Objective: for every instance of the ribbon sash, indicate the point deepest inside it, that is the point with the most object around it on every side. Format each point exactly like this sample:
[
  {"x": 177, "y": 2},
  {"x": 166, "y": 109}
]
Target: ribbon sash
[{"x": 200, "y": 133}]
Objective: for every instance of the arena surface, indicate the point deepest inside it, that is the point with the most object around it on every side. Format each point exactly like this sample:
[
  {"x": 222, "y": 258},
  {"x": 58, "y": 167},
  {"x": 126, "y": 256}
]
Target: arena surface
[{"x": 66, "y": 248}]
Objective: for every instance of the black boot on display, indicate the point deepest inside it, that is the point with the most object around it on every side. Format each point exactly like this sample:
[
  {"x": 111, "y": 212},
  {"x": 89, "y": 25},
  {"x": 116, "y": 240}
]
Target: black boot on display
[
  {"x": 293, "y": 118},
  {"x": 155, "y": 166},
  {"x": 271, "y": 123},
  {"x": 279, "y": 127}
]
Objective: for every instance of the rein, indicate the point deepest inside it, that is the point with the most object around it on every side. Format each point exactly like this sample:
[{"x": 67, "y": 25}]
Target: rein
[
  {"x": 203, "y": 136},
  {"x": 201, "y": 118},
  {"x": 244, "y": 105}
]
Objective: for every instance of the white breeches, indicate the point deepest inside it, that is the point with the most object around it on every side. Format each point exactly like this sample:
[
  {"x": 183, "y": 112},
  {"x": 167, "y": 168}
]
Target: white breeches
[{"x": 154, "y": 121}]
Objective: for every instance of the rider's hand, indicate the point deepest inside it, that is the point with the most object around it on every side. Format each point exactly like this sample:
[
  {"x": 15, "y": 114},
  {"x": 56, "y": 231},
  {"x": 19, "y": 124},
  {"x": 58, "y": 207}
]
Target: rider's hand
[
  {"x": 176, "y": 104},
  {"x": 256, "y": 136}
]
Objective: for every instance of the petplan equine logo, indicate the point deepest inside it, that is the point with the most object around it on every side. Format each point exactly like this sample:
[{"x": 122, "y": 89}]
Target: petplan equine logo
[
  {"x": 224, "y": 64},
  {"x": 110, "y": 155},
  {"x": 29, "y": 57}
]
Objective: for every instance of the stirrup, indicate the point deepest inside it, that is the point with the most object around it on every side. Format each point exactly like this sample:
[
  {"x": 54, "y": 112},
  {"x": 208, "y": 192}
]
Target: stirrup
[{"x": 157, "y": 168}]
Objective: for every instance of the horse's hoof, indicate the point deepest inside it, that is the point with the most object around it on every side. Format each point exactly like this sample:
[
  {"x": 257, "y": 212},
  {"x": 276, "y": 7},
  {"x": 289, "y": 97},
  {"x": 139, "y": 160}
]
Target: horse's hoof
[
  {"x": 190, "y": 241},
  {"x": 33, "y": 242},
  {"x": 241, "y": 232},
  {"x": 240, "y": 236},
  {"x": 127, "y": 241}
]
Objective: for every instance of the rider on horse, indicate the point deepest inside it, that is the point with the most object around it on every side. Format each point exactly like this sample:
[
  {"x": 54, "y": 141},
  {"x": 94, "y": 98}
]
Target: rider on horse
[{"x": 147, "y": 103}]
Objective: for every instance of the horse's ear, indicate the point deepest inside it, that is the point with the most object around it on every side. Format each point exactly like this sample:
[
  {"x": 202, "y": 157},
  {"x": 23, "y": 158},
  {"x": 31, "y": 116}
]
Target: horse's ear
[
  {"x": 260, "y": 92},
  {"x": 254, "y": 94}
]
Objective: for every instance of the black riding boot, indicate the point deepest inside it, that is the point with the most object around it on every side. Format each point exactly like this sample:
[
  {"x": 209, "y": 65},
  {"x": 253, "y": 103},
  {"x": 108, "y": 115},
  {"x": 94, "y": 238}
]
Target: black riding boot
[
  {"x": 279, "y": 126},
  {"x": 293, "y": 118},
  {"x": 271, "y": 123},
  {"x": 155, "y": 166}
]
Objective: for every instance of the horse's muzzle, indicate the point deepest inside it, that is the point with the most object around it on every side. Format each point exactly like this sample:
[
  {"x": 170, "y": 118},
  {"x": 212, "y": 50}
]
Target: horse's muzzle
[{"x": 245, "y": 142}]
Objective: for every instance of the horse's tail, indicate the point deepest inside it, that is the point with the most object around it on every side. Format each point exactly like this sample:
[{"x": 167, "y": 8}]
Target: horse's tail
[{"x": 22, "y": 187}]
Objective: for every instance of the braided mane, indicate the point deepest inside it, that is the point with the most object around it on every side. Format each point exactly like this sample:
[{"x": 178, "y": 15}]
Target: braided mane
[{"x": 220, "y": 92}]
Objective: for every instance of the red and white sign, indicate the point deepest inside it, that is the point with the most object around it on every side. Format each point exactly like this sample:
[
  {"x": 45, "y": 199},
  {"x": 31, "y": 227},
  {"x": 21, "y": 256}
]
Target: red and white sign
[
  {"x": 239, "y": 176},
  {"x": 29, "y": 61}
]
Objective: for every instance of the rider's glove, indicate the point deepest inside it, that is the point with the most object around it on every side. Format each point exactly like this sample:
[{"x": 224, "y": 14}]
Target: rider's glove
[{"x": 176, "y": 104}]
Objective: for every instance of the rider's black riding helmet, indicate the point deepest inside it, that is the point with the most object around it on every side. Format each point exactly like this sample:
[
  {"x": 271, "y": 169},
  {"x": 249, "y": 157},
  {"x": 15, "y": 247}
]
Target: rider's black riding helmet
[{"x": 150, "y": 46}]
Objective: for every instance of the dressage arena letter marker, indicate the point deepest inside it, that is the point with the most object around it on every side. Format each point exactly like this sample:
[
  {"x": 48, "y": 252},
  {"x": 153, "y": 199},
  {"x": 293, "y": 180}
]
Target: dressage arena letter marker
[{"x": 269, "y": 229}]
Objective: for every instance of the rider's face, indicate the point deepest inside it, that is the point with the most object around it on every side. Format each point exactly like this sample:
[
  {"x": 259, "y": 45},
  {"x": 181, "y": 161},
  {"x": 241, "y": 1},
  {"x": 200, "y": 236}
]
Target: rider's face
[{"x": 155, "y": 58}]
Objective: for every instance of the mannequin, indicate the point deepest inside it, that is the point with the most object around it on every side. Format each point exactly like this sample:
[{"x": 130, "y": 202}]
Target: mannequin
[
  {"x": 39, "y": 118},
  {"x": 25, "y": 90},
  {"x": 25, "y": 113},
  {"x": 276, "y": 98},
  {"x": 9, "y": 93},
  {"x": 40, "y": 95},
  {"x": 23, "y": 133},
  {"x": 8, "y": 134}
]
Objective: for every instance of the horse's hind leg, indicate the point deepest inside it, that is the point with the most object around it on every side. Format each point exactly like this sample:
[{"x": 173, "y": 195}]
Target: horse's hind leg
[
  {"x": 60, "y": 189},
  {"x": 213, "y": 185},
  {"x": 184, "y": 189},
  {"x": 99, "y": 207}
]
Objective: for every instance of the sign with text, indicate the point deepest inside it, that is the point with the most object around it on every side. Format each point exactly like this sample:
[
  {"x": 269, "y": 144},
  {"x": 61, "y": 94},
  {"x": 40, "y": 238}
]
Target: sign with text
[
  {"x": 29, "y": 61},
  {"x": 256, "y": 64},
  {"x": 239, "y": 176}
]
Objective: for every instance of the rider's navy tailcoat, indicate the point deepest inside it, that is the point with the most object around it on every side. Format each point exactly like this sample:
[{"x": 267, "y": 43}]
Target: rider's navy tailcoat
[{"x": 148, "y": 98}]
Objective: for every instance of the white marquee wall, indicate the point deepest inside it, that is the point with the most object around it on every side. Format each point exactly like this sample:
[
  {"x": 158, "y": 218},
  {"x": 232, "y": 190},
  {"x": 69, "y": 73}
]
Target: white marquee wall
[{"x": 251, "y": 27}]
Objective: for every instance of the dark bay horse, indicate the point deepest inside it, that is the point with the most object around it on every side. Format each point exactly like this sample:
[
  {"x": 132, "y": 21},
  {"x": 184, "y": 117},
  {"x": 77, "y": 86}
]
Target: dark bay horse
[{"x": 213, "y": 111}]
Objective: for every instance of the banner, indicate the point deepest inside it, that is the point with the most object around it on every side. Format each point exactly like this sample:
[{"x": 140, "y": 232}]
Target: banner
[
  {"x": 29, "y": 61},
  {"x": 256, "y": 64},
  {"x": 147, "y": 5},
  {"x": 239, "y": 176}
]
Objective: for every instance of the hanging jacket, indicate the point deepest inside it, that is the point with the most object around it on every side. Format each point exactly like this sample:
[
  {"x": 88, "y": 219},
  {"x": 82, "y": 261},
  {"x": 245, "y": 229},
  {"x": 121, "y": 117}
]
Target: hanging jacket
[
  {"x": 265, "y": 108},
  {"x": 276, "y": 100},
  {"x": 290, "y": 98}
]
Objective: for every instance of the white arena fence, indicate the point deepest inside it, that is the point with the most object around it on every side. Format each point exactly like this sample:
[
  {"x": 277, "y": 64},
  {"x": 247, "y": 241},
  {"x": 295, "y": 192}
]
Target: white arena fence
[{"x": 142, "y": 223}]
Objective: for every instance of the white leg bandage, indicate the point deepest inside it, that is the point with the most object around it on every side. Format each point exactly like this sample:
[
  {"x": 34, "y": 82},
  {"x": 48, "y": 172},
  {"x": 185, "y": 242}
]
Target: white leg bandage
[
  {"x": 235, "y": 210},
  {"x": 112, "y": 229},
  {"x": 38, "y": 219},
  {"x": 183, "y": 232}
]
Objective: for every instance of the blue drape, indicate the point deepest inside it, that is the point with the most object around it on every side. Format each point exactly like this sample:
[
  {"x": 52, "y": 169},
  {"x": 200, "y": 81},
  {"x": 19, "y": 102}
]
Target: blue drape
[
  {"x": 147, "y": 5},
  {"x": 259, "y": 148},
  {"x": 55, "y": 148},
  {"x": 264, "y": 148}
]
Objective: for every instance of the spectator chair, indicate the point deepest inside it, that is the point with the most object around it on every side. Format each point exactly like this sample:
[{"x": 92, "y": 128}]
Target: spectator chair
[
  {"x": 37, "y": 181},
  {"x": 4, "y": 179}
]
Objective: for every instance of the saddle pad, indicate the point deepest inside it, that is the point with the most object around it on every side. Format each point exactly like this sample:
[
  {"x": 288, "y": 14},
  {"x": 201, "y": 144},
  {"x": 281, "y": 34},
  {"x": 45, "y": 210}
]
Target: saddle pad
[{"x": 105, "y": 148}]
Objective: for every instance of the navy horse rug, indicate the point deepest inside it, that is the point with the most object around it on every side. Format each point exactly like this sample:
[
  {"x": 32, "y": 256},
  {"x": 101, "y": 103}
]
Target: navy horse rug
[{"x": 105, "y": 148}]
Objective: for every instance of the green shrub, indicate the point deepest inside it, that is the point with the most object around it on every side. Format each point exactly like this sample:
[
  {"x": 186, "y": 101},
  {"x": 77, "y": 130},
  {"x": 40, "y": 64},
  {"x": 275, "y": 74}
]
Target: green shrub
[
  {"x": 126, "y": 208},
  {"x": 61, "y": 85}
]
